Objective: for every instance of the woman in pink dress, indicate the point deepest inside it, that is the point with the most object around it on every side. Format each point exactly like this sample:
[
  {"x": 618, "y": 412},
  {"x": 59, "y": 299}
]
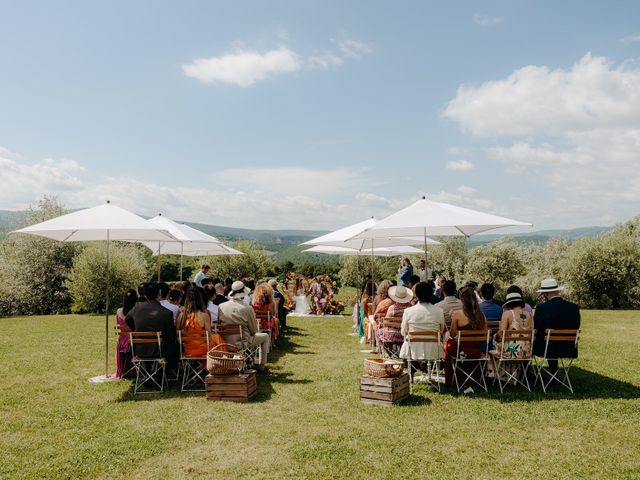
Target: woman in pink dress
[{"x": 123, "y": 348}]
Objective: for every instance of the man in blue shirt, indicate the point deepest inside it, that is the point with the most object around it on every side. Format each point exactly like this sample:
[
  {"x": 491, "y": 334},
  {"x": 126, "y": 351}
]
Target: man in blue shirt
[{"x": 492, "y": 311}]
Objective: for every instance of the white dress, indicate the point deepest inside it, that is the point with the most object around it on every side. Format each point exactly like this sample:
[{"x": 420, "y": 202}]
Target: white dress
[{"x": 302, "y": 306}]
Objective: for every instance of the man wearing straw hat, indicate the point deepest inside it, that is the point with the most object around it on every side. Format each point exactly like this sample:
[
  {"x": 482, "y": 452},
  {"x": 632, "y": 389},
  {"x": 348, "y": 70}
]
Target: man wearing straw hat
[{"x": 555, "y": 313}]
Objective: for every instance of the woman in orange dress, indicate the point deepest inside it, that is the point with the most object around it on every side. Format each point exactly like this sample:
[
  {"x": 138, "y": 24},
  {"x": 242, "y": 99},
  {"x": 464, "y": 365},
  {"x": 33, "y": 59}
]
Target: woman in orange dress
[
  {"x": 263, "y": 303},
  {"x": 194, "y": 317}
]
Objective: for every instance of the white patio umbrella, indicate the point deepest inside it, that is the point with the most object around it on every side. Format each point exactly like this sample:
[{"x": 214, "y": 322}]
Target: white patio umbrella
[
  {"x": 187, "y": 241},
  {"x": 102, "y": 223},
  {"x": 426, "y": 217},
  {"x": 377, "y": 252}
]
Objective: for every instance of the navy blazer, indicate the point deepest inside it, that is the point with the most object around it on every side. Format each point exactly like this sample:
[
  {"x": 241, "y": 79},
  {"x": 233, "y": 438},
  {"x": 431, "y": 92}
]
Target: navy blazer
[{"x": 556, "y": 313}]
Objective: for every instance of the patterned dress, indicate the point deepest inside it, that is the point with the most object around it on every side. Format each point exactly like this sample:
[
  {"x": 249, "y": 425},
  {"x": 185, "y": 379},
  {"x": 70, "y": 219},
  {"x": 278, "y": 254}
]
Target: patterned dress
[{"x": 516, "y": 349}]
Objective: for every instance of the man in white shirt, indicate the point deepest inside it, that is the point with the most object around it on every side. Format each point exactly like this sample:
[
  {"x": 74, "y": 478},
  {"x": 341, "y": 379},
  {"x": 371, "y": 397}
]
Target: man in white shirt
[
  {"x": 201, "y": 275},
  {"x": 425, "y": 272},
  {"x": 166, "y": 297}
]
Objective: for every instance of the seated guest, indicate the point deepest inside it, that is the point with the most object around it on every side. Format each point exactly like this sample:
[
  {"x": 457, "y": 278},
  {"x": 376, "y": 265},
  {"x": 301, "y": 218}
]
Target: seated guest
[
  {"x": 558, "y": 313},
  {"x": 434, "y": 299},
  {"x": 401, "y": 297},
  {"x": 194, "y": 318},
  {"x": 514, "y": 318},
  {"x": 165, "y": 302},
  {"x": 492, "y": 311},
  {"x": 516, "y": 289},
  {"x": 251, "y": 285},
  {"x": 237, "y": 312},
  {"x": 469, "y": 318},
  {"x": 211, "y": 305},
  {"x": 413, "y": 281},
  {"x": 422, "y": 317},
  {"x": 282, "y": 312},
  {"x": 263, "y": 302},
  {"x": 439, "y": 282},
  {"x": 141, "y": 297},
  {"x": 382, "y": 302},
  {"x": 473, "y": 284},
  {"x": 220, "y": 298},
  {"x": 150, "y": 316},
  {"x": 227, "y": 287},
  {"x": 450, "y": 302},
  {"x": 123, "y": 347}
]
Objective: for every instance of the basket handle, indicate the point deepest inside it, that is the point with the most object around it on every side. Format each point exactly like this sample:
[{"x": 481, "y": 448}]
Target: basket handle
[{"x": 228, "y": 345}]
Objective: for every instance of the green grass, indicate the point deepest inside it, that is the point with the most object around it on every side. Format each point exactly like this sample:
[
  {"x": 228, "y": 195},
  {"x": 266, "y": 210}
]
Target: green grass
[{"x": 307, "y": 421}]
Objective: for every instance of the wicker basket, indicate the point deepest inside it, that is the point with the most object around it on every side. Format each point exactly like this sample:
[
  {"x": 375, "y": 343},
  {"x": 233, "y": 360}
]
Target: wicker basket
[
  {"x": 221, "y": 362},
  {"x": 383, "y": 367}
]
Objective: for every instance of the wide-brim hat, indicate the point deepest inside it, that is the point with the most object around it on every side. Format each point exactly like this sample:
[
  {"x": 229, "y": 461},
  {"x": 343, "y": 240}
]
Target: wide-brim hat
[
  {"x": 238, "y": 290},
  {"x": 400, "y": 294},
  {"x": 512, "y": 298},
  {"x": 549, "y": 285}
]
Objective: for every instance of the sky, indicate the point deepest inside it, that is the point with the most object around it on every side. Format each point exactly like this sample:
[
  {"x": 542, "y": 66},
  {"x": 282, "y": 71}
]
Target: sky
[{"x": 314, "y": 115}]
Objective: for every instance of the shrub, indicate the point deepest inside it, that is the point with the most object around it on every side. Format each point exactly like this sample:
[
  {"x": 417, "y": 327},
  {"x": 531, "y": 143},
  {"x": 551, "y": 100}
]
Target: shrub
[
  {"x": 33, "y": 269},
  {"x": 449, "y": 259},
  {"x": 255, "y": 262},
  {"x": 87, "y": 279},
  {"x": 498, "y": 262},
  {"x": 353, "y": 269}
]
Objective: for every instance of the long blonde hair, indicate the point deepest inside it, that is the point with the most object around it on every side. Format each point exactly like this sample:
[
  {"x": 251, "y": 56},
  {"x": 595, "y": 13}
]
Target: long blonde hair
[{"x": 263, "y": 294}]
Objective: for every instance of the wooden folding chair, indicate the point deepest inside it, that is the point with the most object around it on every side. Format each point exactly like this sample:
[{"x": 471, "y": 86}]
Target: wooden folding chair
[
  {"x": 148, "y": 368},
  {"x": 433, "y": 364},
  {"x": 251, "y": 354},
  {"x": 193, "y": 368},
  {"x": 551, "y": 336},
  {"x": 387, "y": 325},
  {"x": 461, "y": 360},
  {"x": 505, "y": 359}
]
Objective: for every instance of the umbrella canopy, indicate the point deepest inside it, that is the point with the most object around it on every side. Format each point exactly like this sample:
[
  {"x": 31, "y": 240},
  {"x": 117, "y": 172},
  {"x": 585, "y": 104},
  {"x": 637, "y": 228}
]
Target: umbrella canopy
[
  {"x": 344, "y": 237},
  {"x": 426, "y": 217},
  {"x": 377, "y": 252},
  {"x": 104, "y": 222},
  {"x": 193, "y": 249}
]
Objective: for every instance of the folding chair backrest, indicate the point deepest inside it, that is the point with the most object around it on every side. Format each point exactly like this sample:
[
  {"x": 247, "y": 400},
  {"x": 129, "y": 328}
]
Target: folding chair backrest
[
  {"x": 423, "y": 336},
  {"x": 391, "y": 322},
  {"x": 509, "y": 336},
  {"x": 561, "y": 335},
  {"x": 193, "y": 336},
  {"x": 493, "y": 325},
  {"x": 472, "y": 336},
  {"x": 226, "y": 330},
  {"x": 145, "y": 338},
  {"x": 121, "y": 330}
]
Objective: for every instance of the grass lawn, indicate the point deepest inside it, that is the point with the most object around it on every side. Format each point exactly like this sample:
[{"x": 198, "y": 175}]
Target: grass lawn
[{"x": 307, "y": 420}]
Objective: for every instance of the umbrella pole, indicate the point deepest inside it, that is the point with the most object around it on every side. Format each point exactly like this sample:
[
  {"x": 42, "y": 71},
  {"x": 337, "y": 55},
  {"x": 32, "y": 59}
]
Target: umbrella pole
[
  {"x": 158, "y": 261},
  {"x": 106, "y": 317},
  {"x": 426, "y": 265},
  {"x": 181, "y": 254}
]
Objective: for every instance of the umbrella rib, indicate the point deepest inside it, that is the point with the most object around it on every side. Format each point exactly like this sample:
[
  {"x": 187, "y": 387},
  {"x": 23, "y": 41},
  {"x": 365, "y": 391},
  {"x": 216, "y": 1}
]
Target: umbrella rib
[{"x": 70, "y": 235}]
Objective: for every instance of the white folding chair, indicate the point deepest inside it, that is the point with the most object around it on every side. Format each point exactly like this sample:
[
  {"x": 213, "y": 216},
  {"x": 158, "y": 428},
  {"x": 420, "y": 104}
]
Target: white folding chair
[
  {"x": 148, "y": 368},
  {"x": 192, "y": 368},
  {"x": 561, "y": 375},
  {"x": 478, "y": 364},
  {"x": 433, "y": 364},
  {"x": 508, "y": 366}
]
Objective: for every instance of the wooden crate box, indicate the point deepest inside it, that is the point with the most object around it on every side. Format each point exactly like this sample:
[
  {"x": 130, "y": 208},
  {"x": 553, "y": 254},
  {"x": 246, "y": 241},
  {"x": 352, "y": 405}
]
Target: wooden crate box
[
  {"x": 231, "y": 388},
  {"x": 384, "y": 391}
]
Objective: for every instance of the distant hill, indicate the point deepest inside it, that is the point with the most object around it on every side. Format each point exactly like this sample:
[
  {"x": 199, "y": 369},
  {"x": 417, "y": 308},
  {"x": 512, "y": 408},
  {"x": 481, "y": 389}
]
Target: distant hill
[{"x": 285, "y": 243}]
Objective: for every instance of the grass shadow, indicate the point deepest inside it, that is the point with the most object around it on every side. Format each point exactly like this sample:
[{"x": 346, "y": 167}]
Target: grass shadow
[{"x": 587, "y": 385}]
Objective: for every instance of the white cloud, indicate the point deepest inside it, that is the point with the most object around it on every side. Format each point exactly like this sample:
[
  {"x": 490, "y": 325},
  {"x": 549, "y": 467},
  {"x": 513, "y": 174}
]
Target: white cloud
[
  {"x": 243, "y": 67},
  {"x": 629, "y": 39},
  {"x": 571, "y": 135},
  {"x": 535, "y": 100},
  {"x": 351, "y": 48},
  {"x": 325, "y": 60},
  {"x": 466, "y": 190},
  {"x": 460, "y": 166},
  {"x": 6, "y": 153},
  {"x": 486, "y": 20}
]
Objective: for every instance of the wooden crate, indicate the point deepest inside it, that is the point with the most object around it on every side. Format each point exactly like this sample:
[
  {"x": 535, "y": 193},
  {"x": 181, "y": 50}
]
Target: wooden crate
[
  {"x": 231, "y": 388},
  {"x": 384, "y": 391}
]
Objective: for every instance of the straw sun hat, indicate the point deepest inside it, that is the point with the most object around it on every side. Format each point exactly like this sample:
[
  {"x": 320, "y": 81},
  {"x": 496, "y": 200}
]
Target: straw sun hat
[
  {"x": 400, "y": 294},
  {"x": 238, "y": 290},
  {"x": 549, "y": 285}
]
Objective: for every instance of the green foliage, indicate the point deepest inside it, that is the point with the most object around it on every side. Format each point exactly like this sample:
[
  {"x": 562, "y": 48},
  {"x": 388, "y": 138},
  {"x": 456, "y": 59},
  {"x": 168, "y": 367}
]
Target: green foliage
[
  {"x": 87, "y": 279},
  {"x": 33, "y": 269},
  {"x": 604, "y": 272},
  {"x": 449, "y": 259},
  {"x": 354, "y": 268},
  {"x": 255, "y": 262},
  {"x": 498, "y": 262}
]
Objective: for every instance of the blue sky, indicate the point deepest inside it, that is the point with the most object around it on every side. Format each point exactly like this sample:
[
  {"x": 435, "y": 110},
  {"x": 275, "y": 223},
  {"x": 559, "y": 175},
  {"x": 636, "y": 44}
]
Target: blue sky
[{"x": 318, "y": 114}]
